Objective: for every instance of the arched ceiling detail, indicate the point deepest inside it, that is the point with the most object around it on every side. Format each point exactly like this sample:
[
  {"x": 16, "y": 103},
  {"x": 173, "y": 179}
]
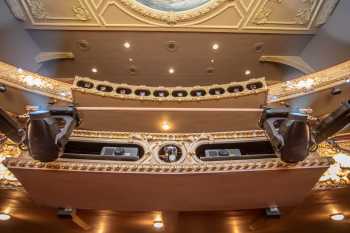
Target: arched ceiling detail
[{"x": 265, "y": 16}]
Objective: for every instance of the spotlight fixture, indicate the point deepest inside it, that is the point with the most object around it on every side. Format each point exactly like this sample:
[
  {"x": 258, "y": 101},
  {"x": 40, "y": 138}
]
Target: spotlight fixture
[
  {"x": 215, "y": 46},
  {"x": 4, "y": 217},
  {"x": 3, "y": 88},
  {"x": 247, "y": 72},
  {"x": 171, "y": 70},
  {"x": 165, "y": 126},
  {"x": 212, "y": 61},
  {"x": 131, "y": 60},
  {"x": 336, "y": 91},
  {"x": 289, "y": 133},
  {"x": 333, "y": 123},
  {"x": 11, "y": 127},
  {"x": 337, "y": 217},
  {"x": 127, "y": 45},
  {"x": 48, "y": 132},
  {"x": 94, "y": 70},
  {"x": 158, "y": 224}
]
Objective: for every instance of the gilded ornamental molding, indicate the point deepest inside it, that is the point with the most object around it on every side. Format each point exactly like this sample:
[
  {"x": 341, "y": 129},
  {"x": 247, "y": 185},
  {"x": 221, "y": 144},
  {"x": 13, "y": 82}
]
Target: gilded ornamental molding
[
  {"x": 105, "y": 88},
  {"x": 311, "y": 83},
  {"x": 31, "y": 82}
]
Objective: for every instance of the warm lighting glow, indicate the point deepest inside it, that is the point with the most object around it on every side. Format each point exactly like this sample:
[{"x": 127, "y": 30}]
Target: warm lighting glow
[
  {"x": 337, "y": 217},
  {"x": 4, "y": 217},
  {"x": 127, "y": 45},
  {"x": 247, "y": 72},
  {"x": 19, "y": 70},
  {"x": 212, "y": 61},
  {"x": 158, "y": 224},
  {"x": 165, "y": 126},
  {"x": 94, "y": 70},
  {"x": 215, "y": 46},
  {"x": 171, "y": 70},
  {"x": 131, "y": 60}
]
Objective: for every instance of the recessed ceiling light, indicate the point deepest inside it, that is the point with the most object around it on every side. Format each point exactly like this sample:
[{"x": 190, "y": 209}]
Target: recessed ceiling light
[
  {"x": 165, "y": 125},
  {"x": 171, "y": 70},
  {"x": 337, "y": 217},
  {"x": 131, "y": 60},
  {"x": 212, "y": 60},
  {"x": 127, "y": 45},
  {"x": 94, "y": 70},
  {"x": 247, "y": 72},
  {"x": 4, "y": 217},
  {"x": 158, "y": 224},
  {"x": 215, "y": 46}
]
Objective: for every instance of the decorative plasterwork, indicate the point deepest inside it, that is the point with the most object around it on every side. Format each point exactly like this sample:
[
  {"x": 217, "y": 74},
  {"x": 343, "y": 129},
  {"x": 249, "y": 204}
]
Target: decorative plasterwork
[
  {"x": 16, "y": 9},
  {"x": 311, "y": 83},
  {"x": 24, "y": 80},
  {"x": 7, "y": 149},
  {"x": 293, "y": 61},
  {"x": 263, "y": 16},
  {"x": 305, "y": 85},
  {"x": 133, "y": 88},
  {"x": 326, "y": 11}
]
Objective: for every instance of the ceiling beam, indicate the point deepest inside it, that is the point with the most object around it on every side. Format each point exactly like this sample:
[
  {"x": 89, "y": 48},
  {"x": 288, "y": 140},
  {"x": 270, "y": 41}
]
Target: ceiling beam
[
  {"x": 49, "y": 56},
  {"x": 295, "y": 62}
]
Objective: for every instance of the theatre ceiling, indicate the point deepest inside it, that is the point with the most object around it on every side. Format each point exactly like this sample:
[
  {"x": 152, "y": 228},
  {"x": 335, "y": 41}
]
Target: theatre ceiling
[{"x": 71, "y": 38}]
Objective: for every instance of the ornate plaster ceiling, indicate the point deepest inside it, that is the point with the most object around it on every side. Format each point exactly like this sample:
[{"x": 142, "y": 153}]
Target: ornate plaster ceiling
[{"x": 266, "y": 16}]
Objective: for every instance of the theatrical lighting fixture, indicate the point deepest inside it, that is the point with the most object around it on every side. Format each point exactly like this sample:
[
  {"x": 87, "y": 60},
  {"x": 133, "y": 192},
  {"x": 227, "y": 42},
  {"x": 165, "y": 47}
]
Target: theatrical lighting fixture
[
  {"x": 158, "y": 224},
  {"x": 4, "y": 217},
  {"x": 3, "y": 88},
  {"x": 289, "y": 133},
  {"x": 337, "y": 217},
  {"x": 333, "y": 123},
  {"x": 48, "y": 132},
  {"x": 11, "y": 127}
]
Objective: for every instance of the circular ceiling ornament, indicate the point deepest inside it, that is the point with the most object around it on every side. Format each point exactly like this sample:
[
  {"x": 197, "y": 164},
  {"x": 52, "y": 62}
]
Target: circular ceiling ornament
[
  {"x": 173, "y": 5},
  {"x": 173, "y": 11}
]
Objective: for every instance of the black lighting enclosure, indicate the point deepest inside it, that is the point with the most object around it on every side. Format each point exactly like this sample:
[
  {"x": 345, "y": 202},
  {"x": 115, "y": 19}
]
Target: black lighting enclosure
[
  {"x": 2, "y": 88},
  {"x": 48, "y": 132},
  {"x": 11, "y": 128},
  {"x": 333, "y": 123},
  {"x": 289, "y": 133}
]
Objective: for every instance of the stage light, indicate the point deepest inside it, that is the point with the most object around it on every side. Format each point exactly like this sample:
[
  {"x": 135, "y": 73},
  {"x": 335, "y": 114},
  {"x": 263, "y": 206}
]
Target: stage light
[
  {"x": 158, "y": 224},
  {"x": 247, "y": 72},
  {"x": 4, "y": 217},
  {"x": 11, "y": 127},
  {"x": 94, "y": 70},
  {"x": 337, "y": 217},
  {"x": 3, "y": 88},
  {"x": 333, "y": 123},
  {"x": 48, "y": 132},
  {"x": 289, "y": 133},
  {"x": 171, "y": 70}
]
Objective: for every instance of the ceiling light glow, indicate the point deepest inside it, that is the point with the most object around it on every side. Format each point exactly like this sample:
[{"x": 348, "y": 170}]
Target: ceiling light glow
[
  {"x": 171, "y": 70},
  {"x": 165, "y": 125},
  {"x": 127, "y": 45},
  {"x": 158, "y": 224},
  {"x": 337, "y": 217},
  {"x": 212, "y": 61},
  {"x": 247, "y": 72},
  {"x": 131, "y": 60},
  {"x": 94, "y": 70},
  {"x": 215, "y": 46},
  {"x": 4, "y": 217}
]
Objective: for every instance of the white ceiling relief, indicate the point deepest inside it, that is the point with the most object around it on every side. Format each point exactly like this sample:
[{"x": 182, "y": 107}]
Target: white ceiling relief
[{"x": 266, "y": 16}]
